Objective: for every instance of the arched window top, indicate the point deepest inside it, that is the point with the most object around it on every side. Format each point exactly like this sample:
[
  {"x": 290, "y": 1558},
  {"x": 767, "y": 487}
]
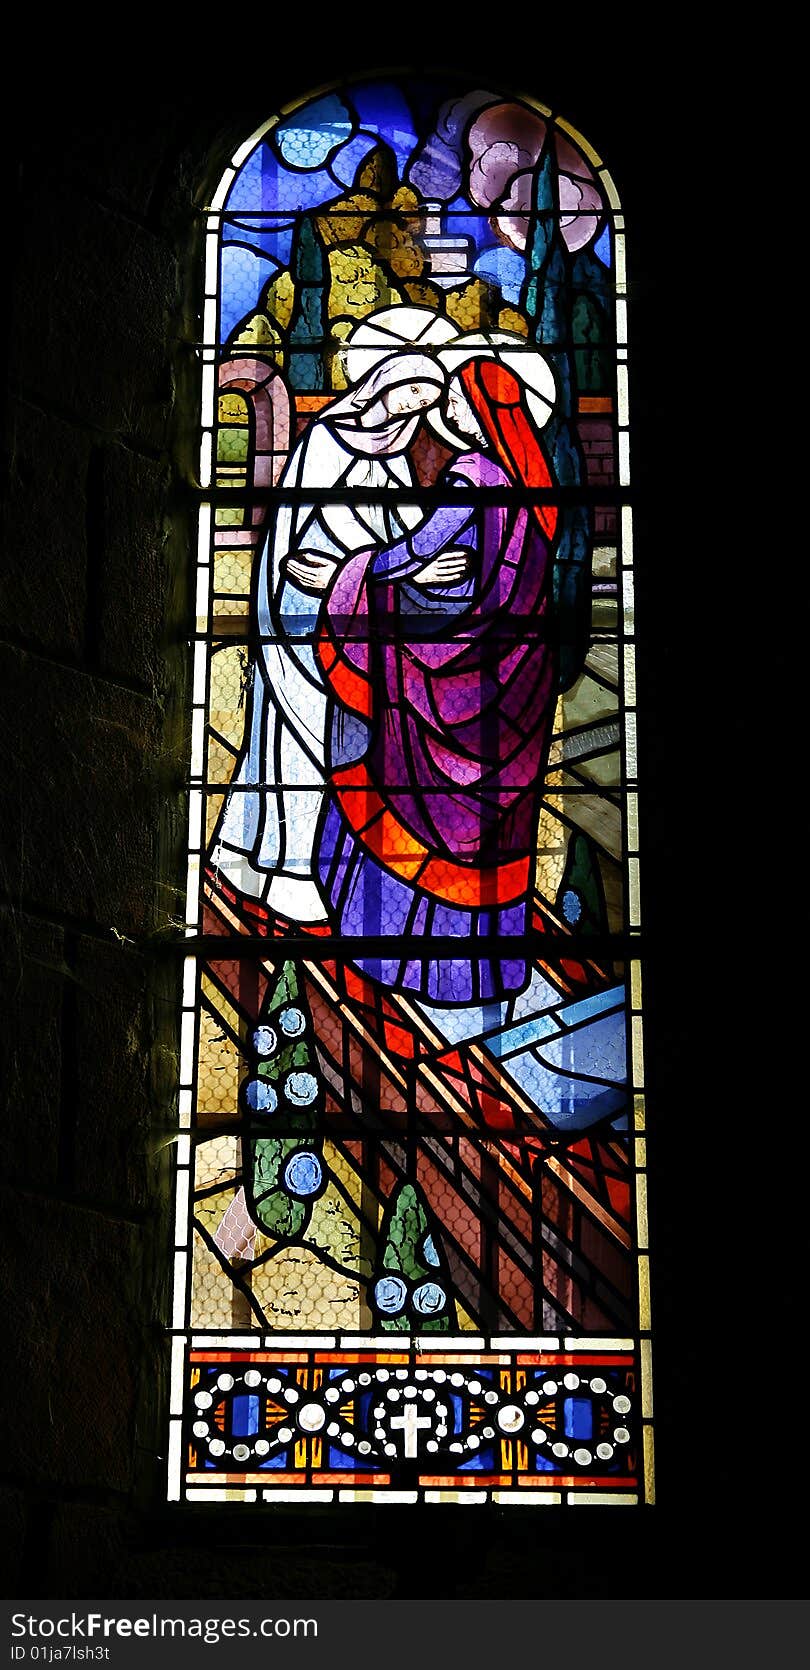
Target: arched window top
[
  {"x": 411, "y": 1209},
  {"x": 481, "y": 169},
  {"x": 331, "y": 131}
]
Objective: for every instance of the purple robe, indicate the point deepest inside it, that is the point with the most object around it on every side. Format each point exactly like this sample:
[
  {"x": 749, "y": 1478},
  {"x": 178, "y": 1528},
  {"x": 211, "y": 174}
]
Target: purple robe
[{"x": 444, "y": 710}]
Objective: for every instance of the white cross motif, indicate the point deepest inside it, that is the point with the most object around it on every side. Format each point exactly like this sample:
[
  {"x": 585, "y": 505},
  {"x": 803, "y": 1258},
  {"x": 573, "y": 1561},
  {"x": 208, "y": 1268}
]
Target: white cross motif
[{"x": 410, "y": 1422}]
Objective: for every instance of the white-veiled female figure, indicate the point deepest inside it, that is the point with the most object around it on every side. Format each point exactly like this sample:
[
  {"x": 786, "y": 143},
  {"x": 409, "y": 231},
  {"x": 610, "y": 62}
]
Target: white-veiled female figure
[{"x": 263, "y": 845}]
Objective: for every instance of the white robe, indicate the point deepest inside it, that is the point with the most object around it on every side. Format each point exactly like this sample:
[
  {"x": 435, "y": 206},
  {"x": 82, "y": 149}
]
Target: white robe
[{"x": 264, "y": 844}]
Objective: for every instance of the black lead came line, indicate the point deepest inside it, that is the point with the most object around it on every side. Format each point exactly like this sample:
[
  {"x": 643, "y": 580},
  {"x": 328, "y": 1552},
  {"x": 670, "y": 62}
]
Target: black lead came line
[
  {"x": 315, "y": 948},
  {"x": 608, "y": 496}
]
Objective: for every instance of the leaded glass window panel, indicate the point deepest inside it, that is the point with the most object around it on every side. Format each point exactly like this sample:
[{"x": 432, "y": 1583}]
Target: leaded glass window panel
[{"x": 411, "y": 1213}]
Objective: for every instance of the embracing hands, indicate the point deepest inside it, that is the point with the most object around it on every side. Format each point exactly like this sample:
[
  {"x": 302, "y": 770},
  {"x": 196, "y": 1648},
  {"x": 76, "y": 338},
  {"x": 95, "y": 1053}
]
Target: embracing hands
[
  {"x": 311, "y": 572},
  {"x": 446, "y": 570}
]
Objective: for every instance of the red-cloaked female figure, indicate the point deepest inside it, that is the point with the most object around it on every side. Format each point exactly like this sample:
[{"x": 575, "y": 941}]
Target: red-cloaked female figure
[{"x": 439, "y": 655}]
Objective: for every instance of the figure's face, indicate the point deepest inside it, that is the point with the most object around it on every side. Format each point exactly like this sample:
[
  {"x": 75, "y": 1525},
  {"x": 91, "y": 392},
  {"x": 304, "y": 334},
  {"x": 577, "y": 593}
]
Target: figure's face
[
  {"x": 455, "y": 406},
  {"x": 406, "y": 398},
  {"x": 460, "y": 415}
]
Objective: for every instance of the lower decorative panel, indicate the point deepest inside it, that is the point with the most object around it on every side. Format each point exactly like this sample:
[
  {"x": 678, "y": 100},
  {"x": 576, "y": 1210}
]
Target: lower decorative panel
[{"x": 540, "y": 1421}]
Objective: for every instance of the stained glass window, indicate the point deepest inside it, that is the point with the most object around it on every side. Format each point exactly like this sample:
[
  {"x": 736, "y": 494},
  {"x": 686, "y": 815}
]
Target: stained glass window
[{"x": 411, "y": 1241}]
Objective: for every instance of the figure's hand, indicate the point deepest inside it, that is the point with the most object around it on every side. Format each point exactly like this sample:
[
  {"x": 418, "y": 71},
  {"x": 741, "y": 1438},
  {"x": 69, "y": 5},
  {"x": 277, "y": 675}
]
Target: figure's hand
[
  {"x": 446, "y": 570},
  {"x": 311, "y": 572}
]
